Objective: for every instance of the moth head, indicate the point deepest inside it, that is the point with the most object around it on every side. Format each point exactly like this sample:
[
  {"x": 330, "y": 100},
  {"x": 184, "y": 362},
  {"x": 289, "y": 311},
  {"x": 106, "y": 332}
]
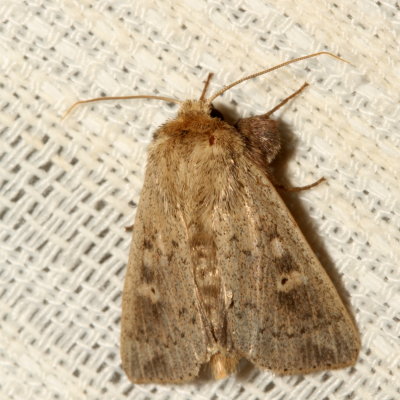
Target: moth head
[{"x": 194, "y": 107}]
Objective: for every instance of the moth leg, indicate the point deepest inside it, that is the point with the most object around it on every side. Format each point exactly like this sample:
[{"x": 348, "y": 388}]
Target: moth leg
[
  {"x": 261, "y": 133},
  {"x": 262, "y": 138},
  {"x": 283, "y": 102},
  {"x": 129, "y": 228},
  {"x": 300, "y": 188}
]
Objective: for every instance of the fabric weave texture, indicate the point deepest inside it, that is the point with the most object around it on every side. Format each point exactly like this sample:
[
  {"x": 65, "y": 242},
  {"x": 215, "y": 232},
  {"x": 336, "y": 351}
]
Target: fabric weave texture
[{"x": 69, "y": 187}]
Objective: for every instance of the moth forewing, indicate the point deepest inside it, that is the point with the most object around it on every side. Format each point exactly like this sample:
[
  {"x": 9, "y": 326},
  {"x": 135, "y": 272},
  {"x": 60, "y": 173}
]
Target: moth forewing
[
  {"x": 162, "y": 334},
  {"x": 286, "y": 315}
]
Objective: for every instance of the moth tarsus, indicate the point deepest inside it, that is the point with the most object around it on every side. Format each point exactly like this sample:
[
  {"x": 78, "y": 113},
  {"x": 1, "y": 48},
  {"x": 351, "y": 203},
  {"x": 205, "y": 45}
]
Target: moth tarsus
[
  {"x": 301, "y": 188},
  {"x": 129, "y": 228},
  {"x": 218, "y": 269}
]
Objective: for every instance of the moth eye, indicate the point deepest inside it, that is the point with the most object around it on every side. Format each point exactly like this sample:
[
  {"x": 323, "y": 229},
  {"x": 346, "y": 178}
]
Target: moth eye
[
  {"x": 184, "y": 132},
  {"x": 284, "y": 280},
  {"x": 216, "y": 114}
]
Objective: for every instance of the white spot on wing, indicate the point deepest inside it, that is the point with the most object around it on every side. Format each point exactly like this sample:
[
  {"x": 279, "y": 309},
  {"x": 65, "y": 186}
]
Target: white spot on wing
[{"x": 277, "y": 247}]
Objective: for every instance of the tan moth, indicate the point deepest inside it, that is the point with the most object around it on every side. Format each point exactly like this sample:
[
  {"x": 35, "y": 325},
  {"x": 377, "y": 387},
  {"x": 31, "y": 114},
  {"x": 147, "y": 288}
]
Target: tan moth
[{"x": 218, "y": 269}]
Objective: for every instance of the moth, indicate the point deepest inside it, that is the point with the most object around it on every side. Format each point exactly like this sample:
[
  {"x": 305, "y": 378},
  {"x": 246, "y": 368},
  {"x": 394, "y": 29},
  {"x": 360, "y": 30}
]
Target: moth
[{"x": 218, "y": 269}]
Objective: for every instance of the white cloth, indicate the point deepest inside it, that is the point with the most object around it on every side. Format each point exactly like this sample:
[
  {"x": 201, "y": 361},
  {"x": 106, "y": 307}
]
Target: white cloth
[{"x": 68, "y": 188}]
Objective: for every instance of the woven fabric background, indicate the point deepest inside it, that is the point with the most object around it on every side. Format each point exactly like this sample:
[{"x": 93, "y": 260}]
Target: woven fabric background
[{"x": 69, "y": 187}]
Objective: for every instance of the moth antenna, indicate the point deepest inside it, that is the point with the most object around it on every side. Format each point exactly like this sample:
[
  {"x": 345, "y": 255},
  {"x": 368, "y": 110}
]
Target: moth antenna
[
  {"x": 169, "y": 99},
  {"x": 223, "y": 90},
  {"x": 203, "y": 93}
]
